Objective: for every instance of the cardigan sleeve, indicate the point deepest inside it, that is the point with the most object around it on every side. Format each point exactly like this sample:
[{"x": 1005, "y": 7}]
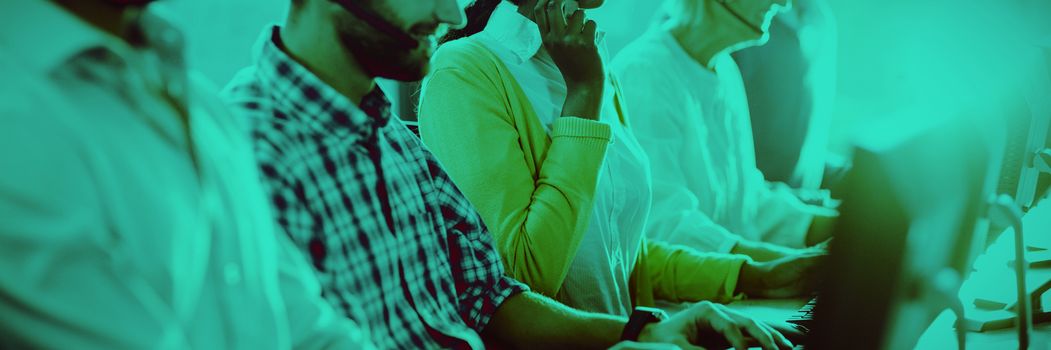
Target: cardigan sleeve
[
  {"x": 678, "y": 273},
  {"x": 538, "y": 217}
]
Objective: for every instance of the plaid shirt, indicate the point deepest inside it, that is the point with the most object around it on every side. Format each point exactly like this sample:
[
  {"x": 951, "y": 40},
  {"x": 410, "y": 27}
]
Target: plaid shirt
[{"x": 396, "y": 245}]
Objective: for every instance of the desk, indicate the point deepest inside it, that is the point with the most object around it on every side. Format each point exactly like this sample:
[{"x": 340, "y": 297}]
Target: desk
[{"x": 993, "y": 278}]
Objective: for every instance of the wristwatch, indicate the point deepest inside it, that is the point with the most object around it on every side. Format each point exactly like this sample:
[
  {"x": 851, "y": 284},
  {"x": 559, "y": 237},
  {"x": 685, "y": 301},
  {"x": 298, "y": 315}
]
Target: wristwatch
[{"x": 641, "y": 317}]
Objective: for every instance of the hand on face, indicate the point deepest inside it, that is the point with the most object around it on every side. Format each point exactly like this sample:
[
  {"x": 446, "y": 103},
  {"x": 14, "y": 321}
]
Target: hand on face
[
  {"x": 788, "y": 277},
  {"x": 714, "y": 326},
  {"x": 569, "y": 39}
]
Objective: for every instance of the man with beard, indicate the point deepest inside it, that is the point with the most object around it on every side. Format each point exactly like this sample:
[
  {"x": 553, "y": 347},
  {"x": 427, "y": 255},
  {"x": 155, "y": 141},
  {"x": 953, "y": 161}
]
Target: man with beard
[
  {"x": 129, "y": 214},
  {"x": 395, "y": 243}
]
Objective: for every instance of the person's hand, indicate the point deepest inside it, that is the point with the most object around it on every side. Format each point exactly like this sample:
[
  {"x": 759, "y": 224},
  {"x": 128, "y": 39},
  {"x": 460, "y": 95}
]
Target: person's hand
[
  {"x": 783, "y": 278},
  {"x": 570, "y": 41},
  {"x": 762, "y": 252},
  {"x": 711, "y": 325},
  {"x": 630, "y": 345}
]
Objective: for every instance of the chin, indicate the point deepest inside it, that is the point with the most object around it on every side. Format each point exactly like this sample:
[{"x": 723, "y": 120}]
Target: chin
[
  {"x": 406, "y": 71},
  {"x": 590, "y": 4},
  {"x": 123, "y": 3}
]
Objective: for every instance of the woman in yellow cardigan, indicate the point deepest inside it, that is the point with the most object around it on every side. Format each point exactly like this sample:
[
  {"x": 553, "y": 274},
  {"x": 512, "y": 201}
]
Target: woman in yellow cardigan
[{"x": 526, "y": 120}]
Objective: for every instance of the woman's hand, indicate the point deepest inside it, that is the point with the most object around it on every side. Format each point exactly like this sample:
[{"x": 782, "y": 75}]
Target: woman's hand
[
  {"x": 570, "y": 40},
  {"x": 787, "y": 277}
]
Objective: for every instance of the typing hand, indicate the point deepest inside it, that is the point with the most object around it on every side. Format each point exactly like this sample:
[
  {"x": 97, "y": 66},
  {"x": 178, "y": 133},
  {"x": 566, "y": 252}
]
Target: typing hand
[
  {"x": 783, "y": 278},
  {"x": 711, "y": 325},
  {"x": 630, "y": 345}
]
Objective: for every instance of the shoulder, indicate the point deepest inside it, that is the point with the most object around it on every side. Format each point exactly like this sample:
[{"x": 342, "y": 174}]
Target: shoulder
[
  {"x": 271, "y": 126},
  {"x": 44, "y": 139},
  {"x": 250, "y": 99},
  {"x": 464, "y": 67},
  {"x": 469, "y": 58},
  {"x": 644, "y": 55}
]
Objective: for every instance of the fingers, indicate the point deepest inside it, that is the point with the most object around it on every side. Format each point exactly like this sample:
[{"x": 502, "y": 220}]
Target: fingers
[
  {"x": 576, "y": 22},
  {"x": 760, "y": 333},
  {"x": 540, "y": 16},
  {"x": 787, "y": 334},
  {"x": 735, "y": 337},
  {"x": 527, "y": 9},
  {"x": 780, "y": 339},
  {"x": 556, "y": 17},
  {"x": 685, "y": 345},
  {"x": 723, "y": 324},
  {"x": 589, "y": 29}
]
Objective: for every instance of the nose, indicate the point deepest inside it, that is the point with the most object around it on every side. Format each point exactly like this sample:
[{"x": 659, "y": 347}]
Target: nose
[{"x": 451, "y": 12}]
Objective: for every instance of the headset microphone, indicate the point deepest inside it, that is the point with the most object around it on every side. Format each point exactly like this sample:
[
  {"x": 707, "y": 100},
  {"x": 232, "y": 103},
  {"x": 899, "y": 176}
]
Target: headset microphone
[{"x": 376, "y": 21}]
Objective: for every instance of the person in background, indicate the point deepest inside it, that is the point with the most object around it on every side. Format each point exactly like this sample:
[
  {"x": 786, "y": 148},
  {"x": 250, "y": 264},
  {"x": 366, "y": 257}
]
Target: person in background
[
  {"x": 691, "y": 116},
  {"x": 376, "y": 213},
  {"x": 526, "y": 120},
  {"x": 130, "y": 214},
  {"x": 791, "y": 85}
]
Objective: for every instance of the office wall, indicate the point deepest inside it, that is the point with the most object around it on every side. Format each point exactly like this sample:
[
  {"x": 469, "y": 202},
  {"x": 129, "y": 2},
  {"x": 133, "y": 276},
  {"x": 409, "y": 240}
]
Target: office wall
[
  {"x": 221, "y": 33},
  {"x": 894, "y": 55}
]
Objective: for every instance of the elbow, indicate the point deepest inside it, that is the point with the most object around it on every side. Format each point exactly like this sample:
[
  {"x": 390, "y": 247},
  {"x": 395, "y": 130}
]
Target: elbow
[{"x": 528, "y": 264}]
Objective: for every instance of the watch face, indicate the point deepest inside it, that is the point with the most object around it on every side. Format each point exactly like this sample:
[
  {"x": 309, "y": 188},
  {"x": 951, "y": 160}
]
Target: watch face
[{"x": 641, "y": 317}]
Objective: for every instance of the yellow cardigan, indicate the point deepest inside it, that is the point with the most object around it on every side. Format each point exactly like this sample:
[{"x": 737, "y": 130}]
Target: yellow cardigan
[{"x": 534, "y": 191}]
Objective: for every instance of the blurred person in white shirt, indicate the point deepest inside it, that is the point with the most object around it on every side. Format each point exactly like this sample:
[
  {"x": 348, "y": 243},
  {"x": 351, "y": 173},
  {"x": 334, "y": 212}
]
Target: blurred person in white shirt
[{"x": 686, "y": 98}]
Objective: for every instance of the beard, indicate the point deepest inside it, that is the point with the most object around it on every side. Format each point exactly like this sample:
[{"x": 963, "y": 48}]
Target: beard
[
  {"x": 381, "y": 55},
  {"x": 123, "y": 3}
]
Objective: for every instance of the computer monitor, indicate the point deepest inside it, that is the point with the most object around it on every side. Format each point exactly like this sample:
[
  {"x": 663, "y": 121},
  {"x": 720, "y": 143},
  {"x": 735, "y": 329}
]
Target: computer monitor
[
  {"x": 1027, "y": 114},
  {"x": 1042, "y": 97},
  {"x": 911, "y": 207}
]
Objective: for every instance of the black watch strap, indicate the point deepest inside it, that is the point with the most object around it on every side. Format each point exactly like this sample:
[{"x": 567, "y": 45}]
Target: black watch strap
[{"x": 641, "y": 317}]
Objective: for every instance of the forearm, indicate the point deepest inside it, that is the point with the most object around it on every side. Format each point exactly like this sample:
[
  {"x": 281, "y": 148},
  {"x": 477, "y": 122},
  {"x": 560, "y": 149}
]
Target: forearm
[{"x": 532, "y": 321}]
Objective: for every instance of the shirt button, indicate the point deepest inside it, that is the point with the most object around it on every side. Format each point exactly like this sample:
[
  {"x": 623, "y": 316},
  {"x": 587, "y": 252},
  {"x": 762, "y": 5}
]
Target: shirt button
[{"x": 232, "y": 273}]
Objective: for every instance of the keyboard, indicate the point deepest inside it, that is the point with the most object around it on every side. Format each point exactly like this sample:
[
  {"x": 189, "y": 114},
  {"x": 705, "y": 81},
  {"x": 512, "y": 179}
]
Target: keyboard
[{"x": 805, "y": 316}]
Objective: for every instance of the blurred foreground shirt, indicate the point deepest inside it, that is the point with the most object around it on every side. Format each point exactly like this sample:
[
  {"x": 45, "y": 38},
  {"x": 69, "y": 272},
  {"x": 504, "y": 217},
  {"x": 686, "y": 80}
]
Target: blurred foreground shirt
[{"x": 131, "y": 215}]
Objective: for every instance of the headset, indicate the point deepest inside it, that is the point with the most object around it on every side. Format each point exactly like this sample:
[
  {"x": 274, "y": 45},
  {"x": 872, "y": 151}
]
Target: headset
[
  {"x": 737, "y": 14},
  {"x": 376, "y": 21}
]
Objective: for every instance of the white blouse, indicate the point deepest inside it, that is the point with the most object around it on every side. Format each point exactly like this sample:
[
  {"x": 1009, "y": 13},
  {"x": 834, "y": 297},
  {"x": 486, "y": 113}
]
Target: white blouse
[
  {"x": 598, "y": 277},
  {"x": 694, "y": 124}
]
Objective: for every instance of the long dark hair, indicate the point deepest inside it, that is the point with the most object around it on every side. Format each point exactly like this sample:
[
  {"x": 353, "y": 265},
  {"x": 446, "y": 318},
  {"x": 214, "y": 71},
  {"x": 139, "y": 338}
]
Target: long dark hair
[{"x": 477, "y": 17}]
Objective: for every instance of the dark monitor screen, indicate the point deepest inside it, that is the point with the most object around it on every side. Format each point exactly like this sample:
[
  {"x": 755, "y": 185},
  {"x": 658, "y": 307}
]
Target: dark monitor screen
[{"x": 910, "y": 211}]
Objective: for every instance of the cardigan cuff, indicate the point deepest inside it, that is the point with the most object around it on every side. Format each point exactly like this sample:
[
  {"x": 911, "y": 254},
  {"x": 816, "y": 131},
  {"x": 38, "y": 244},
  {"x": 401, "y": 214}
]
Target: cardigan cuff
[{"x": 581, "y": 128}]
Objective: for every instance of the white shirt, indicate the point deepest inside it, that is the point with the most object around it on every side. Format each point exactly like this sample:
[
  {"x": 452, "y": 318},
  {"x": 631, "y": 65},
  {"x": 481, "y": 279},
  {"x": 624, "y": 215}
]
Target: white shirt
[
  {"x": 598, "y": 277},
  {"x": 131, "y": 214},
  {"x": 694, "y": 124}
]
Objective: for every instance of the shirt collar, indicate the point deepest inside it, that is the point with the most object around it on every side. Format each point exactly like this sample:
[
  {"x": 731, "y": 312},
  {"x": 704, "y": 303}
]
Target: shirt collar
[
  {"x": 67, "y": 36},
  {"x": 516, "y": 32},
  {"x": 684, "y": 57},
  {"x": 521, "y": 36},
  {"x": 314, "y": 102}
]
